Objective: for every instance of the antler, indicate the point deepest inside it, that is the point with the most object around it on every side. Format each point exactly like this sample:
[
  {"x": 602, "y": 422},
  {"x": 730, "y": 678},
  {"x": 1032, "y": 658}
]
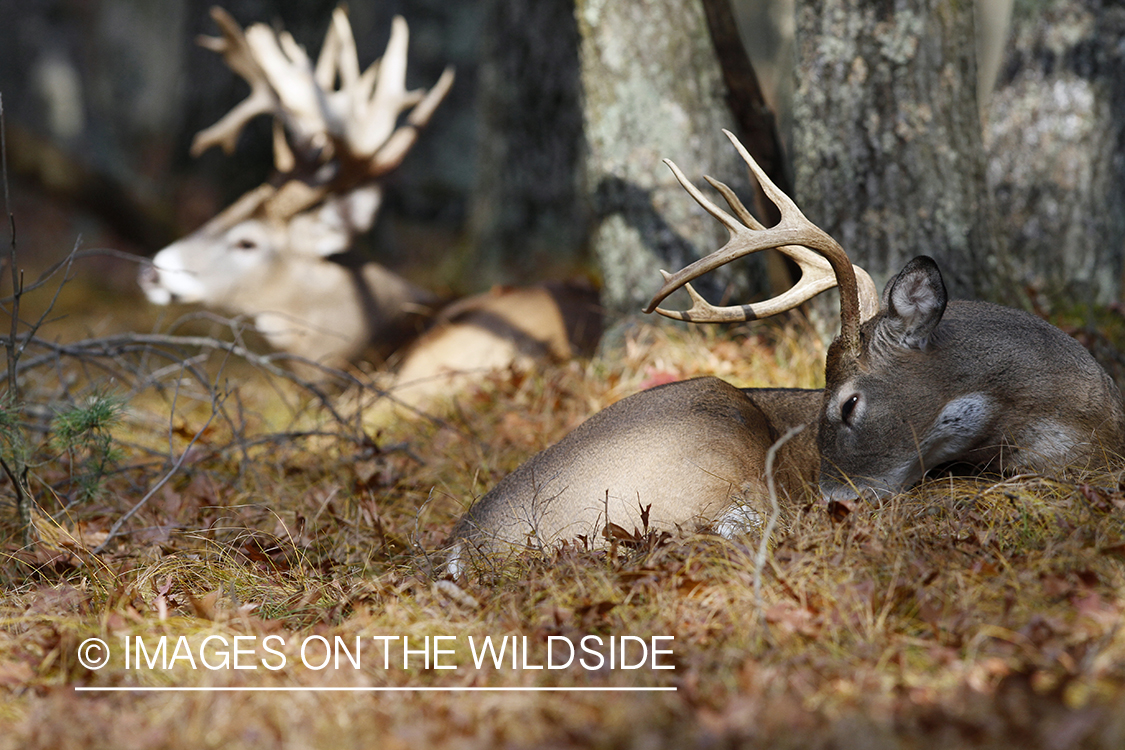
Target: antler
[
  {"x": 822, "y": 261},
  {"x": 354, "y": 124}
]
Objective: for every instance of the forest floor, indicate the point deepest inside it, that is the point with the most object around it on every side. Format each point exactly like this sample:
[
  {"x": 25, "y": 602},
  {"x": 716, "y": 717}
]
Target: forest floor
[{"x": 279, "y": 579}]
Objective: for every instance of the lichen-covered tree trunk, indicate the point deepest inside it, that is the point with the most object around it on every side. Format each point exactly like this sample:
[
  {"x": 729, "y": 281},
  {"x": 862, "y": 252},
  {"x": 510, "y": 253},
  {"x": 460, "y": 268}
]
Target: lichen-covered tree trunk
[
  {"x": 887, "y": 142},
  {"x": 653, "y": 89},
  {"x": 1055, "y": 138}
]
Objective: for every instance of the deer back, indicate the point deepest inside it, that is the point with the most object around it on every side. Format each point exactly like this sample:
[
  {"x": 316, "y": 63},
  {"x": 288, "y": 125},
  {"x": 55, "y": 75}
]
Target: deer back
[
  {"x": 683, "y": 453},
  {"x": 504, "y": 327}
]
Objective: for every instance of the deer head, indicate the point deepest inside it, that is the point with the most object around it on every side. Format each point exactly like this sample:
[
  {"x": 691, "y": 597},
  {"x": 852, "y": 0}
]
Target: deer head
[
  {"x": 956, "y": 383},
  {"x": 914, "y": 382},
  {"x": 337, "y": 132}
]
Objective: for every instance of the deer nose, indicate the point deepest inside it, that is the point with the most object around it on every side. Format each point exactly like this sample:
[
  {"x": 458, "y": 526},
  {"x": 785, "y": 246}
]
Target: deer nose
[{"x": 147, "y": 275}]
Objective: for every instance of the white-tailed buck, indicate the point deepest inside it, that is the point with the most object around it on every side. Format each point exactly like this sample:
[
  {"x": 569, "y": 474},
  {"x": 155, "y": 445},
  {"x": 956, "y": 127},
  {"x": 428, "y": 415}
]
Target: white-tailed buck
[
  {"x": 912, "y": 384},
  {"x": 278, "y": 255}
]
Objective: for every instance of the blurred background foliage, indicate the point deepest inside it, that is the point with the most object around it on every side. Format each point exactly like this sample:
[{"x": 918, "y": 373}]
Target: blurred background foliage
[{"x": 102, "y": 98}]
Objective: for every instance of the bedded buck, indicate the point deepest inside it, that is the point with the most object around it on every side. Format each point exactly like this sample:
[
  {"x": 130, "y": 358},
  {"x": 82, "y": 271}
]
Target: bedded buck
[
  {"x": 279, "y": 254},
  {"x": 912, "y": 384}
]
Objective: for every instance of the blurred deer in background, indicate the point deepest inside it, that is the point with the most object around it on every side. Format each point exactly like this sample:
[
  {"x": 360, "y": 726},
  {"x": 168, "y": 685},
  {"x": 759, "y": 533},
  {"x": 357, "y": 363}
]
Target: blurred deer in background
[
  {"x": 277, "y": 254},
  {"x": 912, "y": 384}
]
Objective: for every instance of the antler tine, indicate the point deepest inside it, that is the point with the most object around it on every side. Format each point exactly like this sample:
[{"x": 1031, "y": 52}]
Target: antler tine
[
  {"x": 822, "y": 269},
  {"x": 391, "y": 154},
  {"x": 802, "y": 256},
  {"x": 337, "y": 55},
  {"x": 783, "y": 202},
  {"x": 733, "y": 201},
  {"x": 352, "y": 128},
  {"x": 724, "y": 218},
  {"x": 375, "y": 112},
  {"x": 232, "y": 45}
]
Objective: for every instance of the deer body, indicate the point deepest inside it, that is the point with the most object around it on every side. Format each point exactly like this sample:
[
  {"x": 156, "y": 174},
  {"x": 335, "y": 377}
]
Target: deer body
[
  {"x": 504, "y": 327},
  {"x": 691, "y": 453},
  {"x": 912, "y": 384},
  {"x": 279, "y": 255},
  {"x": 332, "y": 313}
]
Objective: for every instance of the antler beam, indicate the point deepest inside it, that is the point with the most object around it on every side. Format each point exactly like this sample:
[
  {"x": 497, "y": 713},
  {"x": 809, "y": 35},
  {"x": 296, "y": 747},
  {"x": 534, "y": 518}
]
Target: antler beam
[
  {"x": 356, "y": 123},
  {"x": 822, "y": 261}
]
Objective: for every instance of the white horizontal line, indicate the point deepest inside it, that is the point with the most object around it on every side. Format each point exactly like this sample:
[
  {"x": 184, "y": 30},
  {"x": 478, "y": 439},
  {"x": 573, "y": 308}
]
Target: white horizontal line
[{"x": 85, "y": 689}]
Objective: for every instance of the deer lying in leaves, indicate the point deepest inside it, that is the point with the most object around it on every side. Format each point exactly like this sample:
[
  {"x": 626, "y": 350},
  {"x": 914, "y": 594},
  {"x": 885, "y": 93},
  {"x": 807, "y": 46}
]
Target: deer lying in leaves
[
  {"x": 913, "y": 383},
  {"x": 279, "y": 254}
]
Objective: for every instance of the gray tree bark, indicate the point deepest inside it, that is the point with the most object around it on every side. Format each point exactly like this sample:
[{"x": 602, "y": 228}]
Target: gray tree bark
[
  {"x": 887, "y": 139},
  {"x": 653, "y": 89},
  {"x": 1055, "y": 138}
]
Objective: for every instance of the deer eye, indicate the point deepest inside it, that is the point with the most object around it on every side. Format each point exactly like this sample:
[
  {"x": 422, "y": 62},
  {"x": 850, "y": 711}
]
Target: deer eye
[{"x": 847, "y": 409}]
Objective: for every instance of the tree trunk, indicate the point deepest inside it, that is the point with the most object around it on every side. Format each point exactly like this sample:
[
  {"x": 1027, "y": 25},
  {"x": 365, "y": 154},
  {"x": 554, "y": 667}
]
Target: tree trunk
[
  {"x": 653, "y": 89},
  {"x": 1055, "y": 136},
  {"x": 527, "y": 216},
  {"x": 887, "y": 141}
]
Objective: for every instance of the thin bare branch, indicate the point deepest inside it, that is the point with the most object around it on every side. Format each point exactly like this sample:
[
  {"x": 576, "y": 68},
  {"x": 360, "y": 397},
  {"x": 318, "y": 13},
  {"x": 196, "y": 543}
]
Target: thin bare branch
[
  {"x": 215, "y": 406},
  {"x": 775, "y": 512},
  {"x": 10, "y": 347},
  {"x": 74, "y": 255}
]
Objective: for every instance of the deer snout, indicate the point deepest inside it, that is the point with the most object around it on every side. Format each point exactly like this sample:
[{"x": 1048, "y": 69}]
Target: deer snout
[
  {"x": 148, "y": 277},
  {"x": 843, "y": 489},
  {"x": 168, "y": 278}
]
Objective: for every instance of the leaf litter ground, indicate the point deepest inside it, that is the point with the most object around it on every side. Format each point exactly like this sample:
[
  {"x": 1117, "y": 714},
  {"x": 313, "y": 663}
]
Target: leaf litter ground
[{"x": 966, "y": 613}]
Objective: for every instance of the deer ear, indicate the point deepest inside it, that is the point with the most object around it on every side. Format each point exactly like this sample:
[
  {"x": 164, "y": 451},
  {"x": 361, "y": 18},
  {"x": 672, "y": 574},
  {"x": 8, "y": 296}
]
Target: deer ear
[
  {"x": 330, "y": 229},
  {"x": 913, "y": 302}
]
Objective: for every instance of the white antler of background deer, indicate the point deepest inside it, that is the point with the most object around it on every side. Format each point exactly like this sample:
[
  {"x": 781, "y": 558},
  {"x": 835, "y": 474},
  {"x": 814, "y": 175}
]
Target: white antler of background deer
[{"x": 356, "y": 123}]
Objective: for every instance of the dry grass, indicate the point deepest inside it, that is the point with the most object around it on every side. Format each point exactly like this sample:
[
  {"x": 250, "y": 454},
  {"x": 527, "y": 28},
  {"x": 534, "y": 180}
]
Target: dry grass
[{"x": 967, "y": 613}]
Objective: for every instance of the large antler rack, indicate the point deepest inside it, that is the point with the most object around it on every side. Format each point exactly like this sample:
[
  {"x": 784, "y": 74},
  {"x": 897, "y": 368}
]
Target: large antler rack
[
  {"x": 342, "y": 135},
  {"x": 822, "y": 261}
]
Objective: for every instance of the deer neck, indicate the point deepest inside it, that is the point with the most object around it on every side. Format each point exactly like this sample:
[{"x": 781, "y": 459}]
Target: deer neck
[
  {"x": 330, "y": 312},
  {"x": 787, "y": 408}
]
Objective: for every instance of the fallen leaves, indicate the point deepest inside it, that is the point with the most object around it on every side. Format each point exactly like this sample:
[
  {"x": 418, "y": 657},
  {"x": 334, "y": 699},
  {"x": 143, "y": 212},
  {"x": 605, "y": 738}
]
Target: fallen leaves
[{"x": 964, "y": 614}]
